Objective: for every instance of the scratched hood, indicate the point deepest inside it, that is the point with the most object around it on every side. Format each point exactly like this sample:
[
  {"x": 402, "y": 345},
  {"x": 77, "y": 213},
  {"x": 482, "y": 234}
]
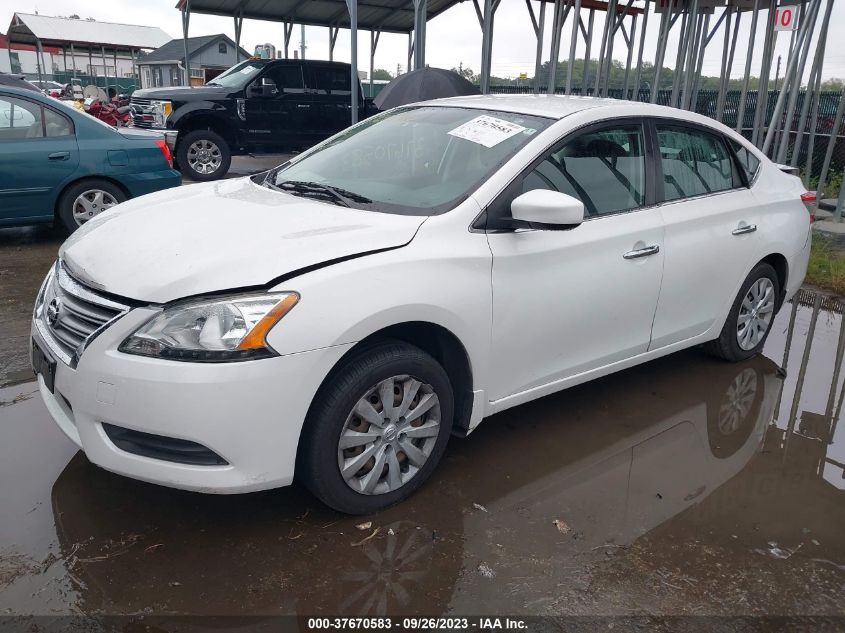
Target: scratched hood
[{"x": 218, "y": 236}]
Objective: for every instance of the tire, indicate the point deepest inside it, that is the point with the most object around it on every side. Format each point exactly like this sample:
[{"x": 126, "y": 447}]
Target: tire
[
  {"x": 333, "y": 413},
  {"x": 729, "y": 346},
  {"x": 196, "y": 165},
  {"x": 86, "y": 199}
]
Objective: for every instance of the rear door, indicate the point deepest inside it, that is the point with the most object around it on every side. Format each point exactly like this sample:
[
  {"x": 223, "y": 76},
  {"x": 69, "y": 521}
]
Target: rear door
[
  {"x": 711, "y": 221},
  {"x": 38, "y": 153},
  {"x": 332, "y": 92}
]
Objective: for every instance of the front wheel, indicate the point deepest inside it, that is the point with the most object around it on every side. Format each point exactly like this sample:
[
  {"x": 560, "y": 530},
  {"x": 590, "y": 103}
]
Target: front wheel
[
  {"x": 750, "y": 319},
  {"x": 203, "y": 155},
  {"x": 377, "y": 428}
]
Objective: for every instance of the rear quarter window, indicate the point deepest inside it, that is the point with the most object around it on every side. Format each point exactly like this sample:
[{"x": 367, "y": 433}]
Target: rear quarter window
[{"x": 748, "y": 162}]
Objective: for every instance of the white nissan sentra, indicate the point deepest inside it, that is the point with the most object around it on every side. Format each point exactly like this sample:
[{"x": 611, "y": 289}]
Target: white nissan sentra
[{"x": 336, "y": 319}]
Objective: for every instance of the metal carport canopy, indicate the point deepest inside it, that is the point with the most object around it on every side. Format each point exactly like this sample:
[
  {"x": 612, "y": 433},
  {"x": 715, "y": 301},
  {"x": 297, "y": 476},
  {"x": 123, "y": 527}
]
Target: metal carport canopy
[{"x": 392, "y": 16}]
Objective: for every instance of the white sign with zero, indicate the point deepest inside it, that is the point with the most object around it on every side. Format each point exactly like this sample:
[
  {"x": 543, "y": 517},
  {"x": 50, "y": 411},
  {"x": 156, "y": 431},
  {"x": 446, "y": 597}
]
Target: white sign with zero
[{"x": 786, "y": 18}]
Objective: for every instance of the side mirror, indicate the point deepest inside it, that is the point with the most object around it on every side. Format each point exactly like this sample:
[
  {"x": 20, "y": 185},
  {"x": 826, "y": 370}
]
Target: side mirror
[{"x": 546, "y": 210}]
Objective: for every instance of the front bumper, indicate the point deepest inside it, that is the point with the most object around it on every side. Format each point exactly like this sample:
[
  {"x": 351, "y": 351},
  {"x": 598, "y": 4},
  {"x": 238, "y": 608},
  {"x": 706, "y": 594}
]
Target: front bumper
[{"x": 250, "y": 413}]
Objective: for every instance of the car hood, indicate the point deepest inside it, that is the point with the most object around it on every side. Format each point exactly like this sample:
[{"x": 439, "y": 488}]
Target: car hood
[
  {"x": 184, "y": 93},
  {"x": 220, "y": 236}
]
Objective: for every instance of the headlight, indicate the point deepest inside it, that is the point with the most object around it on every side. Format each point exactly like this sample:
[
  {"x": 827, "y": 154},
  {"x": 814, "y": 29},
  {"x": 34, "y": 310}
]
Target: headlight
[
  {"x": 161, "y": 111},
  {"x": 213, "y": 330}
]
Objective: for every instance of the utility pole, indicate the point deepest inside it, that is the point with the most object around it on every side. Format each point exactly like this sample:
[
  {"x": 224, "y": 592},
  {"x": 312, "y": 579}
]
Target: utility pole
[{"x": 302, "y": 42}]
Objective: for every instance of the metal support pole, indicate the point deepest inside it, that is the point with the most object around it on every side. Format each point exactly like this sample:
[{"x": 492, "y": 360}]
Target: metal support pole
[
  {"x": 740, "y": 114},
  {"x": 287, "y": 27},
  {"x": 410, "y": 52},
  {"x": 239, "y": 25},
  {"x": 186, "y": 19},
  {"x": 116, "y": 85},
  {"x": 136, "y": 80},
  {"x": 723, "y": 77},
  {"x": 487, "y": 45},
  {"x": 638, "y": 74},
  {"x": 420, "y": 16},
  {"x": 333, "y": 32},
  {"x": 802, "y": 45},
  {"x": 37, "y": 59},
  {"x": 683, "y": 42},
  {"x": 661, "y": 53},
  {"x": 64, "y": 59},
  {"x": 840, "y": 203},
  {"x": 612, "y": 8},
  {"x": 91, "y": 68},
  {"x": 811, "y": 94},
  {"x": 555, "y": 52},
  {"x": 834, "y": 132},
  {"x": 763, "y": 87},
  {"x": 539, "y": 27},
  {"x": 695, "y": 30},
  {"x": 589, "y": 39},
  {"x": 608, "y": 19},
  {"x": 72, "y": 59},
  {"x": 302, "y": 41},
  {"x": 352, "y": 5},
  {"x": 374, "y": 37},
  {"x": 802, "y": 372},
  {"x": 696, "y": 84},
  {"x": 630, "y": 56},
  {"x": 572, "y": 44},
  {"x": 791, "y": 79},
  {"x": 105, "y": 68}
]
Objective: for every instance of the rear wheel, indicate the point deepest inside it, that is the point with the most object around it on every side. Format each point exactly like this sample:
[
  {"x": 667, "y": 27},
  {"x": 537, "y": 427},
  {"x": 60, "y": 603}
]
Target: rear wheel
[
  {"x": 203, "y": 155},
  {"x": 751, "y": 316},
  {"x": 85, "y": 200},
  {"x": 377, "y": 429}
]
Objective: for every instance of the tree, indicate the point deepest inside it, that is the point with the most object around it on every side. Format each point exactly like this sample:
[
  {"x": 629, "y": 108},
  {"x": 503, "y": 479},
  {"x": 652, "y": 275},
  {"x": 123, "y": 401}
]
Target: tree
[
  {"x": 833, "y": 84},
  {"x": 381, "y": 73},
  {"x": 466, "y": 73}
]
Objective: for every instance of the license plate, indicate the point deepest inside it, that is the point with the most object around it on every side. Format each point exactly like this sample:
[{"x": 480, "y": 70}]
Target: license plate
[{"x": 44, "y": 366}]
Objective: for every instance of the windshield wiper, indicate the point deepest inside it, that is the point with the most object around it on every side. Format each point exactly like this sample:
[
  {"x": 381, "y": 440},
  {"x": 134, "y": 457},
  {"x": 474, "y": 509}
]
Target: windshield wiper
[{"x": 342, "y": 196}]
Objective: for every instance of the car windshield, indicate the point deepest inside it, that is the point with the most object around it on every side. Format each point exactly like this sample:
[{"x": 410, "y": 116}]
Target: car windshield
[
  {"x": 237, "y": 75},
  {"x": 412, "y": 161}
]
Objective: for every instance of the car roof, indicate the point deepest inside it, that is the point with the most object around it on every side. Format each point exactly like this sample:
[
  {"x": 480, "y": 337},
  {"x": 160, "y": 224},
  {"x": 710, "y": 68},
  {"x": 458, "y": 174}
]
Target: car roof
[
  {"x": 560, "y": 106},
  {"x": 16, "y": 81}
]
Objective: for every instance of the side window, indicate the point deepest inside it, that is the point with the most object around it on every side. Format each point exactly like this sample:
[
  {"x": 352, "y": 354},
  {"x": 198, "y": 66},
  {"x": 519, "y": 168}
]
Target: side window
[
  {"x": 56, "y": 124},
  {"x": 748, "y": 161},
  {"x": 604, "y": 169},
  {"x": 328, "y": 80},
  {"x": 287, "y": 78},
  {"x": 19, "y": 119},
  {"x": 694, "y": 162}
]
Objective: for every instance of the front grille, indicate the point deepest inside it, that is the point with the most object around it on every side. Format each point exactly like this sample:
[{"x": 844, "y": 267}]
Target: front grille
[
  {"x": 69, "y": 314},
  {"x": 142, "y": 112},
  {"x": 168, "y": 449}
]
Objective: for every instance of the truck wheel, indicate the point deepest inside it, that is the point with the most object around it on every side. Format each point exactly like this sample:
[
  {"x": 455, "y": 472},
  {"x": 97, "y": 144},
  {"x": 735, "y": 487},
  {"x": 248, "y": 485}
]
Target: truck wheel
[{"x": 203, "y": 155}]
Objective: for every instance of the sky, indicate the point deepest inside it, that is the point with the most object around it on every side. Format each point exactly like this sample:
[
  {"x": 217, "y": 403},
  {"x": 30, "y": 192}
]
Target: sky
[{"x": 452, "y": 37}]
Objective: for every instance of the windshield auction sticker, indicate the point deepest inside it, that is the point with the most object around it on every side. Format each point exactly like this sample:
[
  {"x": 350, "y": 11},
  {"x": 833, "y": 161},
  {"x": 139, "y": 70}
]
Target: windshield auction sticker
[{"x": 487, "y": 130}]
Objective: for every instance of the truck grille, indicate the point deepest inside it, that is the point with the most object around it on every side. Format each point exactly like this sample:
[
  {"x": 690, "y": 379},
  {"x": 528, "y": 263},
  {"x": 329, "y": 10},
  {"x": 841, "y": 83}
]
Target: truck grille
[
  {"x": 68, "y": 315},
  {"x": 142, "y": 112}
]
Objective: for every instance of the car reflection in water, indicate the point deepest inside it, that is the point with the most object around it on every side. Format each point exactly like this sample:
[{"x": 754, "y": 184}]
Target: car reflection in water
[{"x": 609, "y": 461}]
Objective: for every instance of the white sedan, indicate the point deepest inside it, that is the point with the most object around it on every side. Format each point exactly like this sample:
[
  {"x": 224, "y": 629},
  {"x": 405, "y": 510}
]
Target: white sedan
[{"x": 336, "y": 319}]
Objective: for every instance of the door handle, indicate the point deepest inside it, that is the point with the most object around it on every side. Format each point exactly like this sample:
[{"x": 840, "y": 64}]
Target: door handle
[
  {"x": 58, "y": 156},
  {"x": 642, "y": 252},
  {"x": 742, "y": 230},
  {"x": 302, "y": 105}
]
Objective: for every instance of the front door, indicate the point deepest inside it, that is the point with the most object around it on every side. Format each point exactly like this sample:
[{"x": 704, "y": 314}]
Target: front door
[
  {"x": 38, "y": 152},
  {"x": 566, "y": 302},
  {"x": 278, "y": 109},
  {"x": 711, "y": 219}
]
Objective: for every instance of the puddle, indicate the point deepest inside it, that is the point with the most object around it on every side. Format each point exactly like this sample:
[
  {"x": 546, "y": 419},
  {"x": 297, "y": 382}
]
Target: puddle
[{"x": 684, "y": 486}]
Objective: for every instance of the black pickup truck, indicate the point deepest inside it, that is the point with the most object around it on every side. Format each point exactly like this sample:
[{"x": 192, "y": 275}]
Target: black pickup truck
[{"x": 257, "y": 106}]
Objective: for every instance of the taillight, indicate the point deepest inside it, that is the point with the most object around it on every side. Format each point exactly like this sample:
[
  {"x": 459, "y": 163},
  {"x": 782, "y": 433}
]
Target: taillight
[
  {"x": 165, "y": 150},
  {"x": 809, "y": 200}
]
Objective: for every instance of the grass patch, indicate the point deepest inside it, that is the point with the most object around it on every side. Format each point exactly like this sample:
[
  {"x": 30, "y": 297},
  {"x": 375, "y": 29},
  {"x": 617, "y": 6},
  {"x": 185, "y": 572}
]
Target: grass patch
[{"x": 827, "y": 265}]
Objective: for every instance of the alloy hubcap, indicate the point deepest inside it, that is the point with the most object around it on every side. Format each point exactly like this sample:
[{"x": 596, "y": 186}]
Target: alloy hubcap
[
  {"x": 737, "y": 403},
  {"x": 755, "y": 313},
  {"x": 389, "y": 435},
  {"x": 90, "y": 204},
  {"x": 204, "y": 157}
]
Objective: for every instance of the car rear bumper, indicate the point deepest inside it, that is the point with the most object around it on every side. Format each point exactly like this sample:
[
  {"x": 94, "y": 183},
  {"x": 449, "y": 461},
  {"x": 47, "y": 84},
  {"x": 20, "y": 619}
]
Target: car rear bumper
[
  {"x": 249, "y": 414},
  {"x": 146, "y": 182}
]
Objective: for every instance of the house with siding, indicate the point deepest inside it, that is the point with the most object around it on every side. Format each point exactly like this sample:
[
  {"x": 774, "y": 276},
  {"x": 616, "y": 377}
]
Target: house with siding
[{"x": 209, "y": 56}]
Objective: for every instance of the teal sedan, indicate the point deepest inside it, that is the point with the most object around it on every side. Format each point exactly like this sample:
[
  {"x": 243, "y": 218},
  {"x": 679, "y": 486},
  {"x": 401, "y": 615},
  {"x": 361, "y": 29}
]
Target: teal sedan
[{"x": 58, "y": 163}]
